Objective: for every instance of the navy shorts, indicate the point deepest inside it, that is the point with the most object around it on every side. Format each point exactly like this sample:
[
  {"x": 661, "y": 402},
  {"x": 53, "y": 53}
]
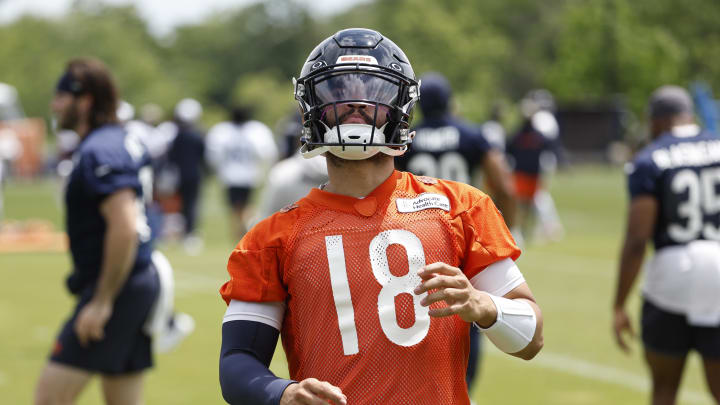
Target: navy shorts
[
  {"x": 126, "y": 349},
  {"x": 669, "y": 333},
  {"x": 238, "y": 195}
]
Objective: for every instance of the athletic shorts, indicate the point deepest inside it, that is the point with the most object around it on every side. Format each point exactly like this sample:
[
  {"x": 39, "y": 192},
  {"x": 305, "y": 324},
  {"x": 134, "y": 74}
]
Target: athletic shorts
[
  {"x": 238, "y": 195},
  {"x": 526, "y": 185},
  {"x": 669, "y": 333},
  {"x": 126, "y": 349}
]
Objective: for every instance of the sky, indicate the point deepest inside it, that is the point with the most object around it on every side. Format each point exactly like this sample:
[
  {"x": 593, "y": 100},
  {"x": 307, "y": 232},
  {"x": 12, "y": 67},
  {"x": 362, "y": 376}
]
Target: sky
[{"x": 162, "y": 15}]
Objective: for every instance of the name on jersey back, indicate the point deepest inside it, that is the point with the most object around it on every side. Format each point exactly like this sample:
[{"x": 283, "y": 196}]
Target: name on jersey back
[
  {"x": 437, "y": 139},
  {"x": 701, "y": 153}
]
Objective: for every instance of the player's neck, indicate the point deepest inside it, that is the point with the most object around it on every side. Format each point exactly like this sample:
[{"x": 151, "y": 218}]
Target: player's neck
[
  {"x": 358, "y": 178},
  {"x": 82, "y": 129}
]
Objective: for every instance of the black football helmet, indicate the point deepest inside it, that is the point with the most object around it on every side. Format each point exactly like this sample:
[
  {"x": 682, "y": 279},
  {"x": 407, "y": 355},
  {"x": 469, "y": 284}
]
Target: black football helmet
[{"x": 356, "y": 91}]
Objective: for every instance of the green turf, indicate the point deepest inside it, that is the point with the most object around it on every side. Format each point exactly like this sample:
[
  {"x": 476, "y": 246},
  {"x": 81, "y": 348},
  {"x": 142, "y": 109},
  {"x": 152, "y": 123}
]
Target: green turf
[{"x": 573, "y": 281}]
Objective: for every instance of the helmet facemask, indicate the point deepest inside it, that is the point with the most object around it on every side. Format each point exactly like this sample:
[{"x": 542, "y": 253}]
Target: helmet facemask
[{"x": 355, "y": 110}]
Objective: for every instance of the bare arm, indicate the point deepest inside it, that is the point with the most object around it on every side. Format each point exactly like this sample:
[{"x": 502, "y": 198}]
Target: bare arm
[
  {"x": 500, "y": 185},
  {"x": 120, "y": 246},
  {"x": 640, "y": 225}
]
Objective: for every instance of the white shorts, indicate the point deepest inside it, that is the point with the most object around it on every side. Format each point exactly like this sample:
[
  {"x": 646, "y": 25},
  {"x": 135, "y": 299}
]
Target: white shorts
[{"x": 685, "y": 279}]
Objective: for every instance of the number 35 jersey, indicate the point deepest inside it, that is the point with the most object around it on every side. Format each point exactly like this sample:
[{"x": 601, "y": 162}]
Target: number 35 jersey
[
  {"x": 681, "y": 169},
  {"x": 346, "y": 269}
]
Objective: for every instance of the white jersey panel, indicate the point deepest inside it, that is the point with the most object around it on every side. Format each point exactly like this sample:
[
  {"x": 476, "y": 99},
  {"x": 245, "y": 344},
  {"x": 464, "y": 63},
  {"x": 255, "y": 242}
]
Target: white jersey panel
[
  {"x": 290, "y": 180},
  {"x": 240, "y": 153},
  {"x": 686, "y": 279}
]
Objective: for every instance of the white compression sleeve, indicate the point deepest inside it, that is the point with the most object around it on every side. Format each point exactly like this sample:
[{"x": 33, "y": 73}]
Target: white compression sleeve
[
  {"x": 515, "y": 325},
  {"x": 269, "y": 313}
]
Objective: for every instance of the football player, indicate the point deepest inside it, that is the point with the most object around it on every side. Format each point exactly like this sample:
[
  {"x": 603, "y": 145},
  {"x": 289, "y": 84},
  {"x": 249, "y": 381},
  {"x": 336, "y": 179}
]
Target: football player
[
  {"x": 674, "y": 185},
  {"x": 187, "y": 155},
  {"x": 291, "y": 178},
  {"x": 449, "y": 148},
  {"x": 535, "y": 151},
  {"x": 240, "y": 151},
  {"x": 374, "y": 279},
  {"x": 166, "y": 326},
  {"x": 113, "y": 276}
]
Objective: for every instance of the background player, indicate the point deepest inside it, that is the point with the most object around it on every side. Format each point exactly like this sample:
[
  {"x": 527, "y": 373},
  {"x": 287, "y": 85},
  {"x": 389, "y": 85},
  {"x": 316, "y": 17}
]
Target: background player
[
  {"x": 535, "y": 152},
  {"x": 187, "y": 155},
  {"x": 292, "y": 178},
  {"x": 673, "y": 186},
  {"x": 166, "y": 326},
  {"x": 338, "y": 245},
  {"x": 113, "y": 277},
  {"x": 240, "y": 151},
  {"x": 451, "y": 149}
]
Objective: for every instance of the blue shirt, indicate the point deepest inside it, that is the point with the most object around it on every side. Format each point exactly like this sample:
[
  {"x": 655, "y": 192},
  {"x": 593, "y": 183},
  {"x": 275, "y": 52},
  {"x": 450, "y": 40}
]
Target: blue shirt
[
  {"x": 527, "y": 147},
  {"x": 683, "y": 175},
  {"x": 187, "y": 153},
  {"x": 108, "y": 160},
  {"x": 445, "y": 148}
]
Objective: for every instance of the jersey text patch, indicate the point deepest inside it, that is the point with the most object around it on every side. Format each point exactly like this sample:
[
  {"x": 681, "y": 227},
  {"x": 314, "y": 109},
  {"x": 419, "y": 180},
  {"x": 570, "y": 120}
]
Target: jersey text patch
[{"x": 423, "y": 202}]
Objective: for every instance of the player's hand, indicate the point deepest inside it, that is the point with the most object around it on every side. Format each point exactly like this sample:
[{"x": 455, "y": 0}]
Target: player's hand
[
  {"x": 462, "y": 299},
  {"x": 621, "y": 323},
  {"x": 311, "y": 391},
  {"x": 90, "y": 322}
]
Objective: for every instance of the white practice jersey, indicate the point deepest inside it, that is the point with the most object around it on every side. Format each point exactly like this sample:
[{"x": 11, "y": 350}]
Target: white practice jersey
[
  {"x": 290, "y": 180},
  {"x": 240, "y": 153},
  {"x": 686, "y": 279}
]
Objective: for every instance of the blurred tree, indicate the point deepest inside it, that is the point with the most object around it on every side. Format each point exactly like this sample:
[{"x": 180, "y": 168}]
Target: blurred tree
[
  {"x": 268, "y": 93},
  {"x": 35, "y": 52},
  {"x": 210, "y": 57},
  {"x": 605, "y": 49},
  {"x": 32, "y": 61},
  {"x": 491, "y": 51}
]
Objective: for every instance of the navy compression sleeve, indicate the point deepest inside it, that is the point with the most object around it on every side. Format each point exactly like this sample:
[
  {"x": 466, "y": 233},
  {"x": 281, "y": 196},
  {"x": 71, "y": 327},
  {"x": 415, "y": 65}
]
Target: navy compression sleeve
[{"x": 247, "y": 348}]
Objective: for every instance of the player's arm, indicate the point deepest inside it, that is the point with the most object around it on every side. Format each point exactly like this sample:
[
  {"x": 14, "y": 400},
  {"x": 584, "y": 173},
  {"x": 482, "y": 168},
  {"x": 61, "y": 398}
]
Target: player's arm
[
  {"x": 249, "y": 335},
  {"x": 245, "y": 355},
  {"x": 640, "y": 224},
  {"x": 500, "y": 185},
  {"x": 512, "y": 320},
  {"x": 520, "y": 298},
  {"x": 119, "y": 248}
]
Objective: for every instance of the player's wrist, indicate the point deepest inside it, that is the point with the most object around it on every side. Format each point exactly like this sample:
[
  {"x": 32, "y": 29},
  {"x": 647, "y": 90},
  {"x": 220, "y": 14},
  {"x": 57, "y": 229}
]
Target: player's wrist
[
  {"x": 515, "y": 325},
  {"x": 486, "y": 314},
  {"x": 288, "y": 393}
]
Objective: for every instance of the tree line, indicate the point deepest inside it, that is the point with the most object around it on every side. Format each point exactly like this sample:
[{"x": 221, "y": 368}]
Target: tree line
[{"x": 492, "y": 51}]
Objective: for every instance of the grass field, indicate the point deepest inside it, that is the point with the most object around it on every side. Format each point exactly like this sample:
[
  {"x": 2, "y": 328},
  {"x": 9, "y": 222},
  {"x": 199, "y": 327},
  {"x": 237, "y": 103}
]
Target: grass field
[{"x": 573, "y": 281}]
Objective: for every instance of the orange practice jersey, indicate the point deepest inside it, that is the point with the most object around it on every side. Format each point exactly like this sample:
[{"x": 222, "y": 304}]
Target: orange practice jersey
[{"x": 347, "y": 267}]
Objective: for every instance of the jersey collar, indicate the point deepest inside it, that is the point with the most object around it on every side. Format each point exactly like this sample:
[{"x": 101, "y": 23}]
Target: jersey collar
[
  {"x": 359, "y": 206},
  {"x": 685, "y": 131}
]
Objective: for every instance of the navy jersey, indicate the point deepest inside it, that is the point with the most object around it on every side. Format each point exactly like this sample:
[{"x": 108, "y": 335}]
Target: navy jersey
[
  {"x": 683, "y": 174},
  {"x": 187, "y": 153},
  {"x": 445, "y": 148},
  {"x": 107, "y": 160},
  {"x": 530, "y": 143}
]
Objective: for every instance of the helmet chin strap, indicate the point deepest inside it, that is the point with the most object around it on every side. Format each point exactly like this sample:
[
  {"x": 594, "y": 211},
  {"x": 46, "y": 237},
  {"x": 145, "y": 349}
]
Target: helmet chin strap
[{"x": 354, "y": 138}]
